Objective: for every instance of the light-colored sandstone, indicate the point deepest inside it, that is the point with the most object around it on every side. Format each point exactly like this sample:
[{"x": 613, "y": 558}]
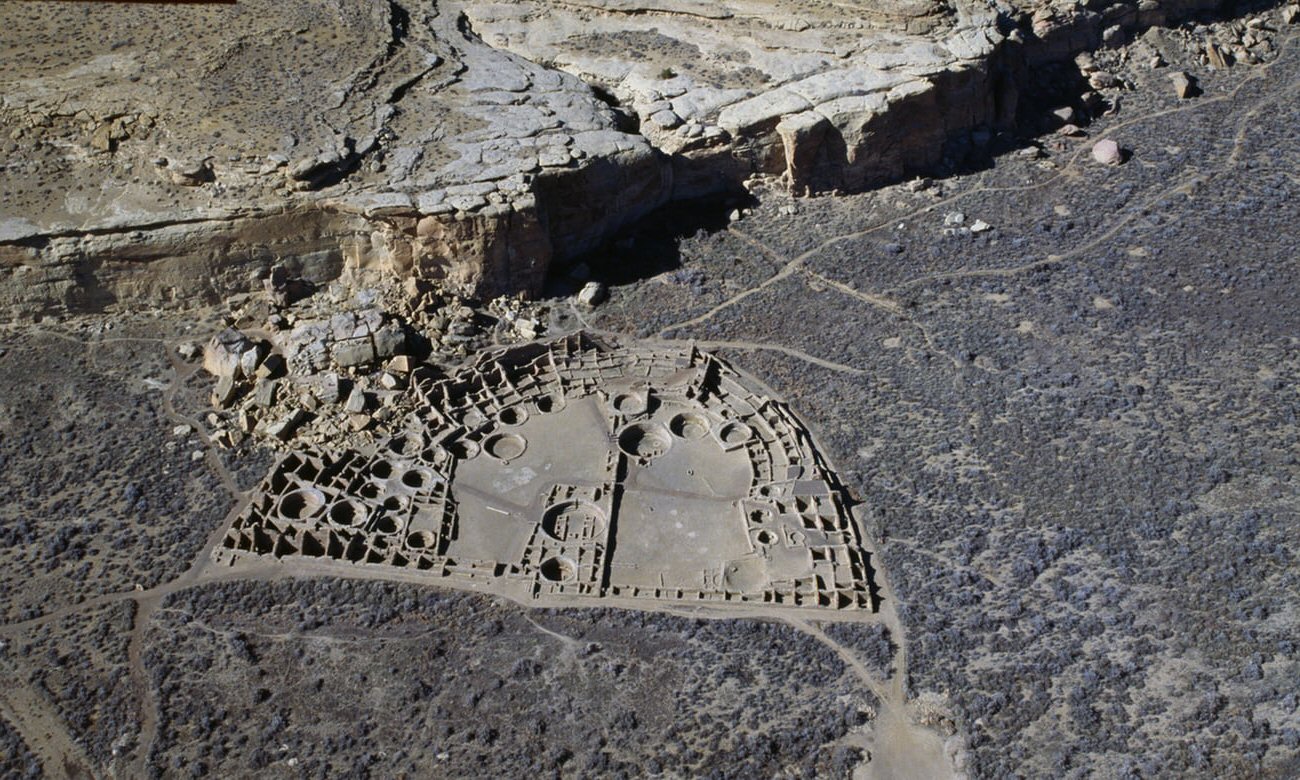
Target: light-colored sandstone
[{"x": 174, "y": 154}]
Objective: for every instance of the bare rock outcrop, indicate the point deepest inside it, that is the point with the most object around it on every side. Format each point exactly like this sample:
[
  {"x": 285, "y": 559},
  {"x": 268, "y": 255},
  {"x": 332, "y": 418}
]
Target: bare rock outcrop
[
  {"x": 824, "y": 96},
  {"x": 206, "y": 142},
  {"x": 176, "y": 153}
]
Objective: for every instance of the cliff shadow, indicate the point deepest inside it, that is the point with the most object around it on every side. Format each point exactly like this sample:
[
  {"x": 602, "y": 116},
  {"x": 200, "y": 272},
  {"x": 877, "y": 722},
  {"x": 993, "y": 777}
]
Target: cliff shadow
[{"x": 648, "y": 247}]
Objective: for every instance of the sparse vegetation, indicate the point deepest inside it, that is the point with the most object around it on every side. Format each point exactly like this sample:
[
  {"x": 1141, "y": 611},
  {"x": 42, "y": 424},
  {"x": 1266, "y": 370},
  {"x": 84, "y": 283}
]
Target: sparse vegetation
[{"x": 1072, "y": 433}]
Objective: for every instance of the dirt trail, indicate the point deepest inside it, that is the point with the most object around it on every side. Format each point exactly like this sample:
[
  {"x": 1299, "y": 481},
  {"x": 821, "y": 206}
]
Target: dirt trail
[
  {"x": 147, "y": 603},
  {"x": 899, "y": 745},
  {"x": 40, "y": 726}
]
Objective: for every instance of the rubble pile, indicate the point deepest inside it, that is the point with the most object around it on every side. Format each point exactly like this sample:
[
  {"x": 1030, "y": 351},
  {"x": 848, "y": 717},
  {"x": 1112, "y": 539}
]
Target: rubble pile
[
  {"x": 1095, "y": 82},
  {"x": 299, "y": 366}
]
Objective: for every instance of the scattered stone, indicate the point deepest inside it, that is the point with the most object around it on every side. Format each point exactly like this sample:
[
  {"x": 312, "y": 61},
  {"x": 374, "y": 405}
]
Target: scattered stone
[
  {"x": 462, "y": 330},
  {"x": 1093, "y": 101},
  {"x": 196, "y": 456},
  {"x": 106, "y": 136},
  {"x": 224, "y": 391},
  {"x": 188, "y": 350},
  {"x": 326, "y": 387},
  {"x": 390, "y": 340},
  {"x": 1103, "y": 80},
  {"x": 284, "y": 428},
  {"x": 283, "y": 290},
  {"x": 264, "y": 393},
  {"x": 1066, "y": 114},
  {"x": 1215, "y": 55},
  {"x": 1107, "y": 152},
  {"x": 1071, "y": 130},
  {"x": 1291, "y": 14},
  {"x": 592, "y": 294},
  {"x": 353, "y": 352},
  {"x": 249, "y": 361},
  {"x": 366, "y": 298},
  {"x": 356, "y": 402},
  {"x": 232, "y": 354},
  {"x": 190, "y": 173},
  {"x": 980, "y": 226},
  {"x": 665, "y": 119},
  {"x": 1184, "y": 85},
  {"x": 528, "y": 327},
  {"x": 273, "y": 366},
  {"x": 954, "y": 218},
  {"x": 182, "y": 430}
]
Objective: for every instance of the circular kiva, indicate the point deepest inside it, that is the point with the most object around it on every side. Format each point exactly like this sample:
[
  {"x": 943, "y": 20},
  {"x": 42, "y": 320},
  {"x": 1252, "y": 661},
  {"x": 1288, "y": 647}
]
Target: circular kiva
[
  {"x": 558, "y": 569},
  {"x": 302, "y": 503},
  {"x": 631, "y": 403},
  {"x": 387, "y": 523},
  {"x": 348, "y": 512},
  {"x": 417, "y": 478},
  {"x": 548, "y": 403},
  {"x": 644, "y": 440},
  {"x": 506, "y": 446},
  {"x": 406, "y": 443},
  {"x": 734, "y": 433},
  {"x": 569, "y": 519},
  {"x": 689, "y": 425},
  {"x": 463, "y": 449},
  {"x": 512, "y": 415},
  {"x": 421, "y": 540}
]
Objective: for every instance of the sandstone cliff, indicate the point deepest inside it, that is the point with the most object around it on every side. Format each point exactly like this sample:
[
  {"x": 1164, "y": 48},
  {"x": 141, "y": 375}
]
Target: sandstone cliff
[{"x": 174, "y": 153}]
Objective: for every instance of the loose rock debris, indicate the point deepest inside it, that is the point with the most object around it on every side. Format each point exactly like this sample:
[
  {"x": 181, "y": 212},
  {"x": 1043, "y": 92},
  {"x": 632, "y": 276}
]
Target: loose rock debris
[{"x": 333, "y": 366}]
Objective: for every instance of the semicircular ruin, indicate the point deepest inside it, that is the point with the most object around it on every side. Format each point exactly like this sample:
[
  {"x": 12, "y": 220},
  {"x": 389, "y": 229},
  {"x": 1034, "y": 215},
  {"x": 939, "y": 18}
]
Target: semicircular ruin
[{"x": 581, "y": 468}]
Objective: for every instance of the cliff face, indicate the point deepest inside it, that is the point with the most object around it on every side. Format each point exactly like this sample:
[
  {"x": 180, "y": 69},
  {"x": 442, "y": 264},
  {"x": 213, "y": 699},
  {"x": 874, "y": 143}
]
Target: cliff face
[
  {"x": 168, "y": 153},
  {"x": 826, "y": 97},
  {"x": 178, "y": 151}
]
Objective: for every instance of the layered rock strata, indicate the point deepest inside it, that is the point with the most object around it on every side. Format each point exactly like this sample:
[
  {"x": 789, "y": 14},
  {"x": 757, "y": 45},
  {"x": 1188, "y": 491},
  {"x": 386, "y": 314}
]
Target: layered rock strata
[
  {"x": 823, "y": 96},
  {"x": 174, "y": 153},
  {"x": 206, "y": 142}
]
